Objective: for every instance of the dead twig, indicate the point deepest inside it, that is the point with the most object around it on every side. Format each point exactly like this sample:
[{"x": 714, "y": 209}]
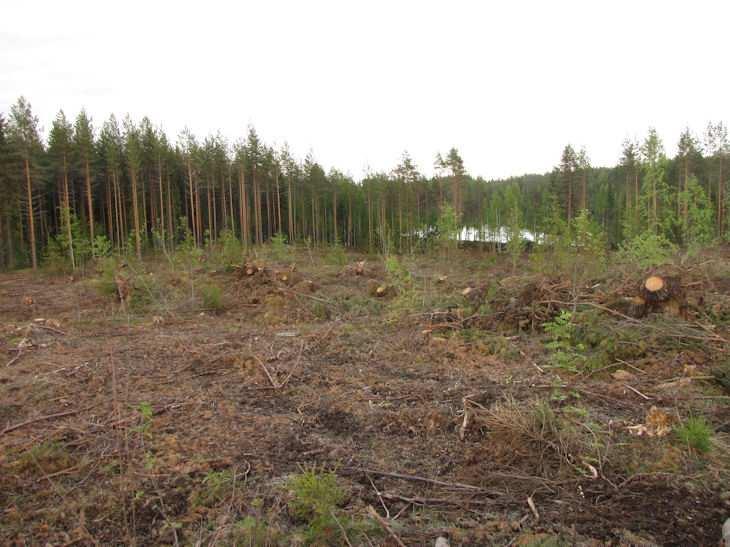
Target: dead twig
[
  {"x": 384, "y": 523},
  {"x": 533, "y": 508},
  {"x": 639, "y": 393},
  {"x": 46, "y": 327},
  {"x": 294, "y": 367},
  {"x": 339, "y": 525},
  {"x": 266, "y": 370},
  {"x": 15, "y": 359}
]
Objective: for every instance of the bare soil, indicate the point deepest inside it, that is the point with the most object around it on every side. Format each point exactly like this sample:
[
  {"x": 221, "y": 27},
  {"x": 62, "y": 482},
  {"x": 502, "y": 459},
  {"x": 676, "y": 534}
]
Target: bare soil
[{"x": 113, "y": 420}]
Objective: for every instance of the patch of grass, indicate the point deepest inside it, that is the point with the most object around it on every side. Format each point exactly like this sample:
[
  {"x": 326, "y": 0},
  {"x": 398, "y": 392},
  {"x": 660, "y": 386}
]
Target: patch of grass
[
  {"x": 256, "y": 531},
  {"x": 360, "y": 306},
  {"x": 321, "y": 311},
  {"x": 526, "y": 433},
  {"x": 696, "y": 433},
  {"x": 47, "y": 457},
  {"x": 336, "y": 255}
]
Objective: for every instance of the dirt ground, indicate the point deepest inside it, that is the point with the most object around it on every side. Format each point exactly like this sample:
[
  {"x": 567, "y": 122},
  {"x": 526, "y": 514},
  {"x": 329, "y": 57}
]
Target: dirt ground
[{"x": 167, "y": 421}]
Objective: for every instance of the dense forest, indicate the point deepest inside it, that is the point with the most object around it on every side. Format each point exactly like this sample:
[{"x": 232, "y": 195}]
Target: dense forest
[{"x": 85, "y": 189}]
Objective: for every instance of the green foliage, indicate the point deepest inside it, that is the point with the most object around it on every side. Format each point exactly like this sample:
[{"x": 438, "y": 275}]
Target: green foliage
[
  {"x": 648, "y": 250},
  {"x": 101, "y": 247},
  {"x": 515, "y": 242},
  {"x": 145, "y": 412},
  {"x": 698, "y": 229},
  {"x": 315, "y": 494},
  {"x": 105, "y": 283},
  {"x": 228, "y": 251},
  {"x": 566, "y": 351},
  {"x": 588, "y": 239},
  {"x": 256, "y": 531},
  {"x": 695, "y": 433},
  {"x": 212, "y": 297},
  {"x": 63, "y": 253},
  {"x": 401, "y": 280},
  {"x": 316, "y": 497},
  {"x": 278, "y": 247},
  {"x": 448, "y": 229},
  {"x": 336, "y": 255},
  {"x": 214, "y": 488}
]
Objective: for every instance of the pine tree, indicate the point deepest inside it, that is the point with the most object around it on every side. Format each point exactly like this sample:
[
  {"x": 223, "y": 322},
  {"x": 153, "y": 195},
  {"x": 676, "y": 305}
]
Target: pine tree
[
  {"x": 59, "y": 149},
  {"x": 110, "y": 151},
  {"x": 583, "y": 166},
  {"x": 25, "y": 136},
  {"x": 84, "y": 147},
  {"x": 687, "y": 156},
  {"x": 567, "y": 173},
  {"x": 718, "y": 149},
  {"x": 630, "y": 164},
  {"x": 133, "y": 154},
  {"x": 655, "y": 190}
]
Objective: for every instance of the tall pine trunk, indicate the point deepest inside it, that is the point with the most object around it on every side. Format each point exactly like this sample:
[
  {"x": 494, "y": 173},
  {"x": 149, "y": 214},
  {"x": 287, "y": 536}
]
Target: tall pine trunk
[
  {"x": 31, "y": 220},
  {"x": 67, "y": 213},
  {"x": 135, "y": 215},
  {"x": 89, "y": 199}
]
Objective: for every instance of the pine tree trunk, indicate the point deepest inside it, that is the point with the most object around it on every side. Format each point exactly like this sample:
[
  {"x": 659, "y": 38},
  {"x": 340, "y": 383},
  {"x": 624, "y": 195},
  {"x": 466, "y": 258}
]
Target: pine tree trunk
[
  {"x": 278, "y": 203},
  {"x": 67, "y": 213},
  {"x": 135, "y": 213},
  {"x": 290, "y": 210},
  {"x": 335, "y": 234},
  {"x": 162, "y": 203},
  {"x": 89, "y": 199},
  {"x": 720, "y": 201},
  {"x": 170, "y": 224},
  {"x": 242, "y": 206},
  {"x": 31, "y": 220},
  {"x": 193, "y": 218}
]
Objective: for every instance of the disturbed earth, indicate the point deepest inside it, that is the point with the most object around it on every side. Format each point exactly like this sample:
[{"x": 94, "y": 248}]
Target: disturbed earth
[{"x": 429, "y": 387}]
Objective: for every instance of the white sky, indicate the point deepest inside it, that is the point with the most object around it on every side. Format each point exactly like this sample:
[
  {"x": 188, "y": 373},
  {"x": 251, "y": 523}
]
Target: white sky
[{"x": 508, "y": 83}]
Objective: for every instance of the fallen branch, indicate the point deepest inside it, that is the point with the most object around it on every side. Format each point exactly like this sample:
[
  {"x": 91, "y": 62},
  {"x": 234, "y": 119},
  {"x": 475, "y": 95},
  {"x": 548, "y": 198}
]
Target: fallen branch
[
  {"x": 418, "y": 479},
  {"x": 41, "y": 418},
  {"x": 311, "y": 297}
]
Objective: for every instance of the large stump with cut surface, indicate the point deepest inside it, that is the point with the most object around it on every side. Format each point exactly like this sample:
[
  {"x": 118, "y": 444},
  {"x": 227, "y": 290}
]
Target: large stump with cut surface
[{"x": 664, "y": 294}]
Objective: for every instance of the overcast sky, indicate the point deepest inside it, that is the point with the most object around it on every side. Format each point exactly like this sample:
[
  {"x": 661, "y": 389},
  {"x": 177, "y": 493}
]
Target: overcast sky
[{"x": 508, "y": 83}]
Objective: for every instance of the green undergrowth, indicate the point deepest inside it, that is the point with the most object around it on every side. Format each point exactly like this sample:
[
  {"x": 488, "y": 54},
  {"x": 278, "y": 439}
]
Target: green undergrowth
[{"x": 316, "y": 500}]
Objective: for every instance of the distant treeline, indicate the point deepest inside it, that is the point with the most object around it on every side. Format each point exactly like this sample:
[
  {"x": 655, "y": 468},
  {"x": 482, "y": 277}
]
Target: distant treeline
[{"x": 85, "y": 188}]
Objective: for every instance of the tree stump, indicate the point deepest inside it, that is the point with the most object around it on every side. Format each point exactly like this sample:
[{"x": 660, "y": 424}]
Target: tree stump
[{"x": 664, "y": 294}]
